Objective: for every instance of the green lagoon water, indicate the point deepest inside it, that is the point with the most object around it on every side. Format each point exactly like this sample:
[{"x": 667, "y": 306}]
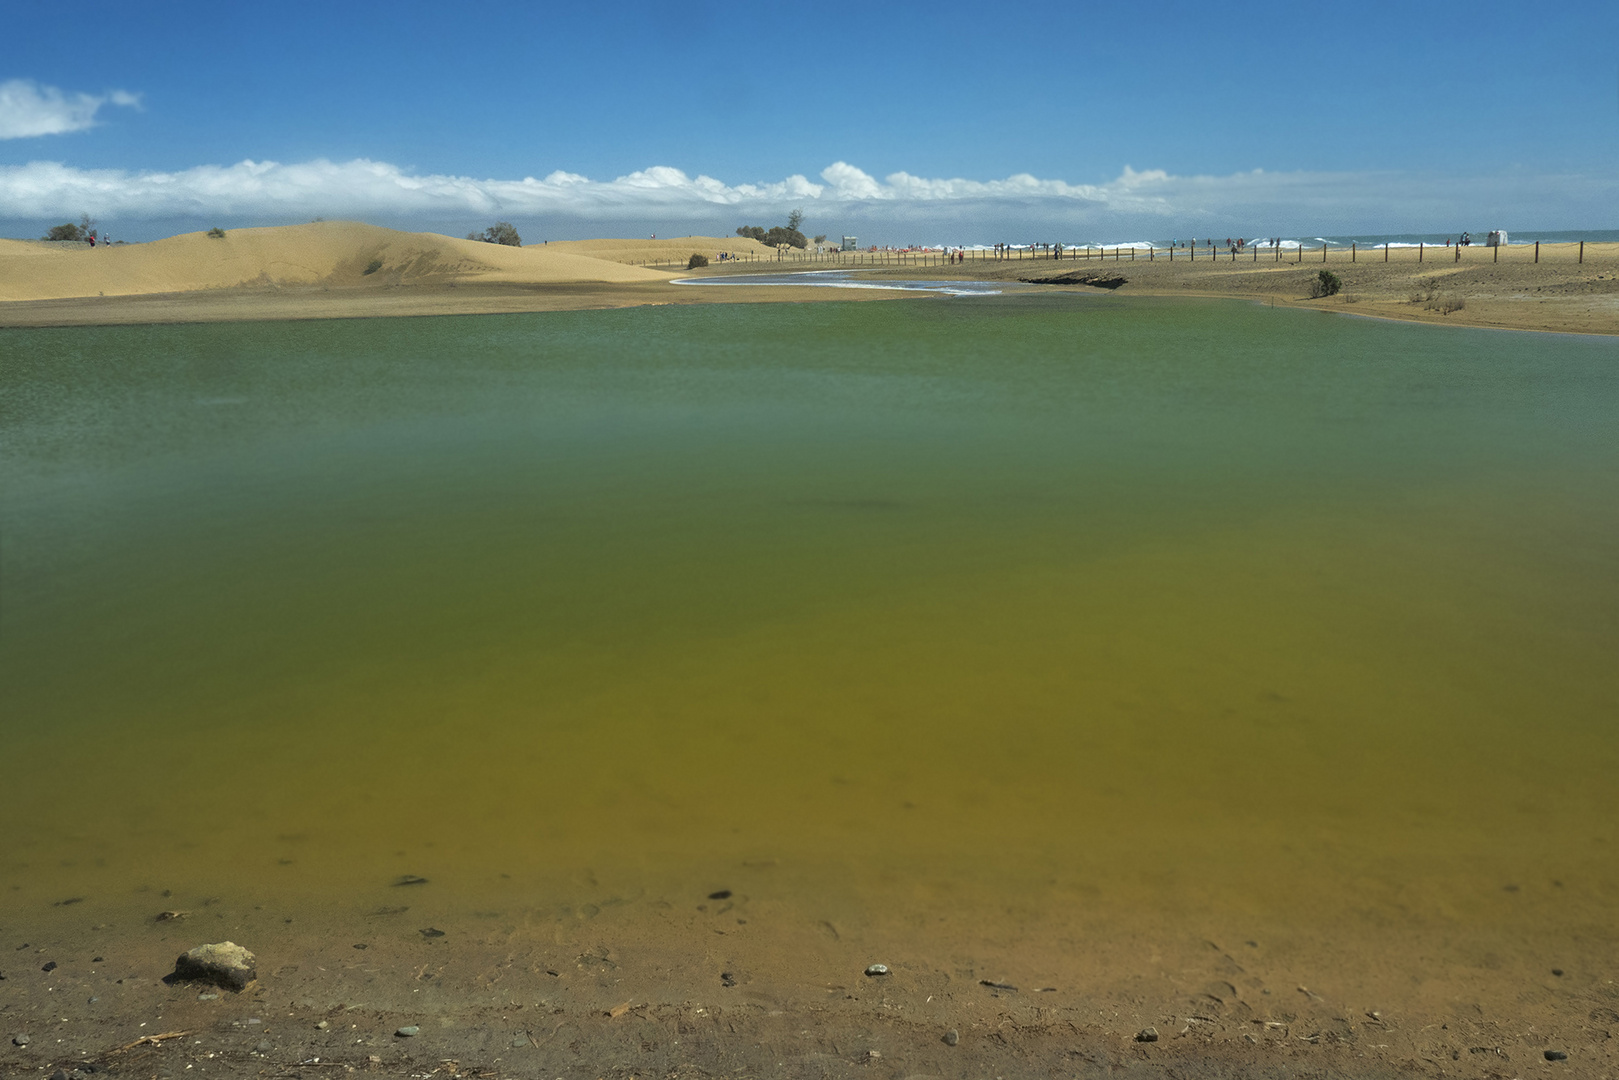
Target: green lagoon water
[{"x": 1193, "y": 605}]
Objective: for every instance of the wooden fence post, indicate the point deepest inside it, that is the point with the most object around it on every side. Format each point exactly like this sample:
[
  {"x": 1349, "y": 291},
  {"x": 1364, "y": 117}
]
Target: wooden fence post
[
  {"x": 1537, "y": 251},
  {"x": 1351, "y": 251},
  {"x": 1497, "y": 257},
  {"x": 1582, "y": 252},
  {"x": 1419, "y": 251},
  {"x": 1323, "y": 251},
  {"x": 1385, "y": 251}
]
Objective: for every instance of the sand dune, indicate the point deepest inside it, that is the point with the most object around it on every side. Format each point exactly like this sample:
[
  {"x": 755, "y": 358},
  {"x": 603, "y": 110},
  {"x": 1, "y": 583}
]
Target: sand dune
[
  {"x": 334, "y": 253},
  {"x": 665, "y": 250}
]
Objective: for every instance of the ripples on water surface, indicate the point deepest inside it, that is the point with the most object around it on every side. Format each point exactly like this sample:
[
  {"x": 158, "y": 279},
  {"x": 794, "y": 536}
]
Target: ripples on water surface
[{"x": 1159, "y": 607}]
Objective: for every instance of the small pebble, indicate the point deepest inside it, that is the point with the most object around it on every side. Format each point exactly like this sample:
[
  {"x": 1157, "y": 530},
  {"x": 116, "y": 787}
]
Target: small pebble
[
  {"x": 61, "y": 1074},
  {"x": 207, "y": 997},
  {"x": 92, "y": 1001},
  {"x": 1558, "y": 972},
  {"x": 520, "y": 1040},
  {"x": 877, "y": 969},
  {"x": 323, "y": 1025},
  {"x": 1556, "y": 1055},
  {"x": 1149, "y": 1034},
  {"x": 408, "y": 1031},
  {"x": 49, "y": 966},
  {"x": 723, "y": 894},
  {"x": 255, "y": 1020},
  {"x": 952, "y": 1037},
  {"x": 21, "y": 1040},
  {"x": 265, "y": 1046}
]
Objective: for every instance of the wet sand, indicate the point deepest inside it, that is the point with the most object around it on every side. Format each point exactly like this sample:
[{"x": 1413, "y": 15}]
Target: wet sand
[
  {"x": 326, "y": 302},
  {"x": 687, "y": 983}
]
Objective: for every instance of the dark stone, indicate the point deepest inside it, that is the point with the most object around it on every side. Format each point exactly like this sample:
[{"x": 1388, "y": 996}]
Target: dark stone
[
  {"x": 1558, "y": 972},
  {"x": 20, "y": 1040},
  {"x": 1148, "y": 1034},
  {"x": 265, "y": 1046},
  {"x": 431, "y": 932},
  {"x": 225, "y": 965},
  {"x": 50, "y": 965},
  {"x": 362, "y": 945},
  {"x": 409, "y": 879},
  {"x": 723, "y": 894},
  {"x": 69, "y": 901},
  {"x": 61, "y": 1074},
  {"x": 1079, "y": 277},
  {"x": 993, "y": 985},
  {"x": 952, "y": 1037},
  {"x": 727, "y": 979},
  {"x": 1556, "y": 1055}
]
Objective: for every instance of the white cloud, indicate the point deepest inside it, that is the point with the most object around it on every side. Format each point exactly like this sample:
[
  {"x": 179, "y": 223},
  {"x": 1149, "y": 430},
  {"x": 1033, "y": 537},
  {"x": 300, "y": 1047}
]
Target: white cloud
[
  {"x": 1015, "y": 208},
  {"x": 28, "y": 109}
]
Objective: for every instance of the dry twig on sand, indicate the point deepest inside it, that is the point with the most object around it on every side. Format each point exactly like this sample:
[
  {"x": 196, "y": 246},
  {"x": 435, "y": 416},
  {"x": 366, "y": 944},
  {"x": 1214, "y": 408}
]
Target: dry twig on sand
[{"x": 152, "y": 1039}]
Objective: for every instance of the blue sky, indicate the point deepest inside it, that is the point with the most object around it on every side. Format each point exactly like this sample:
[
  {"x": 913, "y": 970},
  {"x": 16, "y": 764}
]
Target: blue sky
[{"x": 905, "y": 122}]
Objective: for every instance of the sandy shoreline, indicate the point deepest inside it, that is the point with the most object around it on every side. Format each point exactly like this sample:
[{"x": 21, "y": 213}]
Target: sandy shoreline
[
  {"x": 673, "y": 980},
  {"x": 422, "y": 274}
]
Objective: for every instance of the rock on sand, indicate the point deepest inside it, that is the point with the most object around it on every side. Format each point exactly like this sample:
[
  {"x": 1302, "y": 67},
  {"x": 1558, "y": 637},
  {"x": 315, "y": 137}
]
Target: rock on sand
[{"x": 225, "y": 964}]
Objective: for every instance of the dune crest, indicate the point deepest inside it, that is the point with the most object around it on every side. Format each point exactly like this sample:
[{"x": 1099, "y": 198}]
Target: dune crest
[{"x": 332, "y": 253}]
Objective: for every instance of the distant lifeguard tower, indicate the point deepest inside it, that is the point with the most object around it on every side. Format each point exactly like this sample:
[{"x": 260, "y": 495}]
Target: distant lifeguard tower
[{"x": 851, "y": 243}]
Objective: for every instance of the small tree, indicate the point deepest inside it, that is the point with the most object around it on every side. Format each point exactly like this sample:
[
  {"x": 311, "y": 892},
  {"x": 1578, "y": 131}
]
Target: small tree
[
  {"x": 795, "y": 219},
  {"x": 501, "y": 232},
  {"x": 1326, "y": 283},
  {"x": 65, "y": 231},
  {"x": 752, "y": 232},
  {"x": 217, "y": 233},
  {"x": 696, "y": 260}
]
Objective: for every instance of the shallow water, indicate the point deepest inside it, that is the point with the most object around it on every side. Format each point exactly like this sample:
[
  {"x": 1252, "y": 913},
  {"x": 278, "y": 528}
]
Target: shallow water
[
  {"x": 1009, "y": 602},
  {"x": 853, "y": 279}
]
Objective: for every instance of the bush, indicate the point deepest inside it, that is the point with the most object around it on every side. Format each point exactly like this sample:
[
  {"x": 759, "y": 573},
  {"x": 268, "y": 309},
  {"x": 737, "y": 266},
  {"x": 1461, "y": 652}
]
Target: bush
[
  {"x": 501, "y": 232},
  {"x": 1326, "y": 283},
  {"x": 777, "y": 236},
  {"x": 217, "y": 233},
  {"x": 372, "y": 267},
  {"x": 66, "y": 231},
  {"x": 696, "y": 260}
]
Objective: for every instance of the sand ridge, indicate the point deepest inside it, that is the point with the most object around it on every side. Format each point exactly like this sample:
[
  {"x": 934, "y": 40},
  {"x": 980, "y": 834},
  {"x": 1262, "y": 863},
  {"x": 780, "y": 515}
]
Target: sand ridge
[{"x": 333, "y": 253}]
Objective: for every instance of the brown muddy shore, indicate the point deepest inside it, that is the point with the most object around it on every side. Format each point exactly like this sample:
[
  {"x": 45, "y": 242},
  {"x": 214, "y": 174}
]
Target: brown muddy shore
[
  {"x": 1566, "y": 291},
  {"x": 672, "y": 985}
]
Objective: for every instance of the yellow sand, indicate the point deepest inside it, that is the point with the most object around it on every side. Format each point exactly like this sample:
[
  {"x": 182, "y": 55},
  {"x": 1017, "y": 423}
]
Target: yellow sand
[
  {"x": 328, "y": 252},
  {"x": 667, "y": 249}
]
